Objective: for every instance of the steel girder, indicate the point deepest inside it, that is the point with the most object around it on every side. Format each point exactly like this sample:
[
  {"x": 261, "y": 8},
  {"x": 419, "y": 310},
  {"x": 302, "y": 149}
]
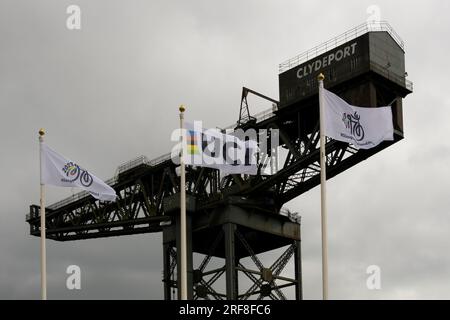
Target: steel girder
[
  {"x": 138, "y": 209},
  {"x": 265, "y": 282},
  {"x": 142, "y": 188}
]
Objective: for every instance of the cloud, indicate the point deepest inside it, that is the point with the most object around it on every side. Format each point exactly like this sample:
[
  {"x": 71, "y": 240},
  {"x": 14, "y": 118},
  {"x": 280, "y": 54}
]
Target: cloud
[{"x": 110, "y": 92}]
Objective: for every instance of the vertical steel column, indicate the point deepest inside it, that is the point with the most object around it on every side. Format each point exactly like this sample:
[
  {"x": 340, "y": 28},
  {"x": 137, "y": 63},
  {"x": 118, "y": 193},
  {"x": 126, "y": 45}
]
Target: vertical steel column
[
  {"x": 230, "y": 262},
  {"x": 166, "y": 272},
  {"x": 298, "y": 270}
]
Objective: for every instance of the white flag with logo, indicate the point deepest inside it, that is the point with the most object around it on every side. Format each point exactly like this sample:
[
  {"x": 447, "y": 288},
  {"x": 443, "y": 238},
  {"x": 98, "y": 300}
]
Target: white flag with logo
[
  {"x": 59, "y": 171},
  {"x": 214, "y": 149},
  {"x": 365, "y": 128}
]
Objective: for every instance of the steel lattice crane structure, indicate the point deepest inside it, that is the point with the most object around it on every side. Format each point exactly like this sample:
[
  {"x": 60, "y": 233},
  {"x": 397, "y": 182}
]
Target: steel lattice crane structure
[{"x": 238, "y": 216}]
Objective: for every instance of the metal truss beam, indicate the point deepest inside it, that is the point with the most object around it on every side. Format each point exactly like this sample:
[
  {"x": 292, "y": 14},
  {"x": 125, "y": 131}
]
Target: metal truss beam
[{"x": 142, "y": 186}]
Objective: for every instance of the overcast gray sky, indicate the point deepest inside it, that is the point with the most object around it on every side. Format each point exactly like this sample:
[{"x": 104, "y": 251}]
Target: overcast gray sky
[{"x": 110, "y": 91}]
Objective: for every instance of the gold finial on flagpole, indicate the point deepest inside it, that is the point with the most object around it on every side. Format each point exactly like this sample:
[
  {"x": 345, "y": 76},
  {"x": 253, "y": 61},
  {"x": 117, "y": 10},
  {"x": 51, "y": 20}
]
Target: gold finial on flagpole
[
  {"x": 182, "y": 108},
  {"x": 41, "y": 132},
  {"x": 321, "y": 77}
]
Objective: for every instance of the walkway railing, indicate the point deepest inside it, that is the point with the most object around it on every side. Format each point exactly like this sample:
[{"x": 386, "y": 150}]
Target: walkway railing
[{"x": 341, "y": 39}]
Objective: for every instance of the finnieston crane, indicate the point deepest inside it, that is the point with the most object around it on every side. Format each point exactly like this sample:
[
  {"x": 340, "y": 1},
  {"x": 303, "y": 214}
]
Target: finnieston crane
[{"x": 240, "y": 216}]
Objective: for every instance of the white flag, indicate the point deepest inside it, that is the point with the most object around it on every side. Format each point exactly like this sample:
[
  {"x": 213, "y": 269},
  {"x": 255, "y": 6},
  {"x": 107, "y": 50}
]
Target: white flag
[
  {"x": 59, "y": 171},
  {"x": 365, "y": 128},
  {"x": 225, "y": 152}
]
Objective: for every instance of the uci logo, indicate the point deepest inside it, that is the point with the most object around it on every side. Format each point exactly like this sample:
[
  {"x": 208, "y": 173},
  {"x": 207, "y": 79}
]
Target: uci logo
[
  {"x": 74, "y": 172},
  {"x": 351, "y": 122}
]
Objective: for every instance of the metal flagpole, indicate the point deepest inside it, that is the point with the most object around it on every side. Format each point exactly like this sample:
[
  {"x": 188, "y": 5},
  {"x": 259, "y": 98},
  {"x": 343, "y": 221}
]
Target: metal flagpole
[
  {"x": 183, "y": 276},
  {"x": 42, "y": 214},
  {"x": 323, "y": 198}
]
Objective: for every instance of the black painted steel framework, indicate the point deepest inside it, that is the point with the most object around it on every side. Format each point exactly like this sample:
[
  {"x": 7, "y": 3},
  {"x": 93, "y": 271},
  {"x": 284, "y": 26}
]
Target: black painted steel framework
[
  {"x": 148, "y": 201},
  {"x": 141, "y": 190},
  {"x": 223, "y": 238}
]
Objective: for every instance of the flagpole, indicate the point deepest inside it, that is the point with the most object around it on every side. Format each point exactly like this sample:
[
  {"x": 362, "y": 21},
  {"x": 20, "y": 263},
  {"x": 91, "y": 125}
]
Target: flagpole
[
  {"x": 183, "y": 276},
  {"x": 43, "y": 229},
  {"x": 323, "y": 198}
]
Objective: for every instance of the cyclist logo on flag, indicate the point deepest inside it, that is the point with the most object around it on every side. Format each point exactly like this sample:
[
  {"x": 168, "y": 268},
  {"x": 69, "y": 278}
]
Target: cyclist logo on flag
[
  {"x": 352, "y": 123},
  {"x": 73, "y": 172}
]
